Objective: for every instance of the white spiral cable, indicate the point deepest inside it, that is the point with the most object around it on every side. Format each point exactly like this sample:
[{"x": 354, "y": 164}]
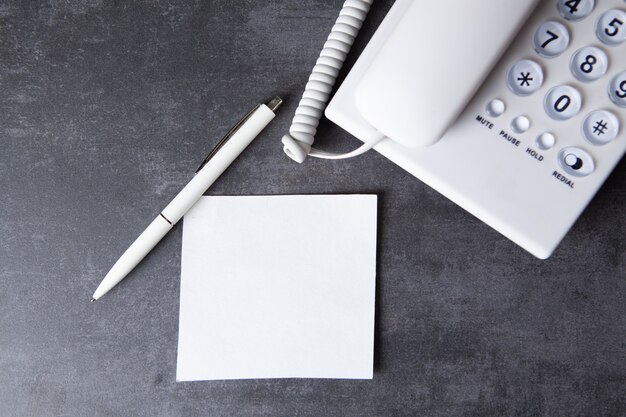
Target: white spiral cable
[{"x": 297, "y": 143}]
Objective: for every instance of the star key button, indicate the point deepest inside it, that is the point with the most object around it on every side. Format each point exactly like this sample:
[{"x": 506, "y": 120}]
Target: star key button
[{"x": 525, "y": 77}]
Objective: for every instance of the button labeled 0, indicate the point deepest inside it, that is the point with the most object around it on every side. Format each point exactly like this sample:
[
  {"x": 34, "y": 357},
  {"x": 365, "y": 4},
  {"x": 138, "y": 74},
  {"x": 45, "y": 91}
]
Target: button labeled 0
[{"x": 563, "y": 102}]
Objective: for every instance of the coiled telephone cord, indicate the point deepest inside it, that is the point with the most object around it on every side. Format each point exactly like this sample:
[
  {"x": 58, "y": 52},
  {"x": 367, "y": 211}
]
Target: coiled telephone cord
[{"x": 298, "y": 142}]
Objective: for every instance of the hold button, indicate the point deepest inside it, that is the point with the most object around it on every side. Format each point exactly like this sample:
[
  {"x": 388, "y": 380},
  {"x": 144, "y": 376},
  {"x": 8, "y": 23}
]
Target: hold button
[{"x": 576, "y": 161}]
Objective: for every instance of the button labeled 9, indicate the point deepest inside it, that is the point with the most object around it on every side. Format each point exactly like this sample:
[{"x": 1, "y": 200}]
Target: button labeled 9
[{"x": 617, "y": 89}]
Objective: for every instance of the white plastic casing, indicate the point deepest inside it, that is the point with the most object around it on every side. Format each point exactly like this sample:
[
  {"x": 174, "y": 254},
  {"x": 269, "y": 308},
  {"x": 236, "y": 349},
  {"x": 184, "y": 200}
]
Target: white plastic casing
[{"x": 500, "y": 176}]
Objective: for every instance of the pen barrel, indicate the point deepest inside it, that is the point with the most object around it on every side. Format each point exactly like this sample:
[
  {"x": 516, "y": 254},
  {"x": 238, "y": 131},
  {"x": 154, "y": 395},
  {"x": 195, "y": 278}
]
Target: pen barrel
[{"x": 189, "y": 195}]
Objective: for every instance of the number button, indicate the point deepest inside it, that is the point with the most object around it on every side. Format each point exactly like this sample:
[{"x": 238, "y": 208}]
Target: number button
[
  {"x": 525, "y": 77},
  {"x": 611, "y": 27},
  {"x": 576, "y": 161},
  {"x": 600, "y": 127},
  {"x": 617, "y": 89},
  {"x": 589, "y": 63},
  {"x": 575, "y": 10},
  {"x": 551, "y": 39},
  {"x": 562, "y": 102}
]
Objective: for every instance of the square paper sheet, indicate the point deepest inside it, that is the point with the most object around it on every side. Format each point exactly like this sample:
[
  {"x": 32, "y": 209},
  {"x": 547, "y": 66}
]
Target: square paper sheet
[{"x": 278, "y": 287}]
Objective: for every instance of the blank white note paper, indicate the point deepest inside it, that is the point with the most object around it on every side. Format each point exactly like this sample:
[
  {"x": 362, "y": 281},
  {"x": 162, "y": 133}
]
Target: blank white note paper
[{"x": 278, "y": 287}]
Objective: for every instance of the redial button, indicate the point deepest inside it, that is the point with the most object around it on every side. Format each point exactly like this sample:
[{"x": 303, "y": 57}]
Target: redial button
[{"x": 576, "y": 161}]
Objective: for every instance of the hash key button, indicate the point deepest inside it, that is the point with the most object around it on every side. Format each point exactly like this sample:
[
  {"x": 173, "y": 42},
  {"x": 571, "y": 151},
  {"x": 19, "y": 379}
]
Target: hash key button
[{"x": 600, "y": 127}]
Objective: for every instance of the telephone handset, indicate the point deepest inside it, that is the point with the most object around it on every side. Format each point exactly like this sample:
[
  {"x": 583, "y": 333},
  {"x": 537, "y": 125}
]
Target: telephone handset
[
  {"x": 432, "y": 64},
  {"x": 515, "y": 110}
]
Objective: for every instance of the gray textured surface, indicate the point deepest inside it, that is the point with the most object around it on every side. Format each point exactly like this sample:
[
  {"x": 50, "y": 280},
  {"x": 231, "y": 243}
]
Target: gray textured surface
[{"x": 106, "y": 108}]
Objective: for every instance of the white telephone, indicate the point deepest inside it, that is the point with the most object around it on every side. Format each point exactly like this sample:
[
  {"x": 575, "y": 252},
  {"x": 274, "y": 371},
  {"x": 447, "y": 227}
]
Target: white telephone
[{"x": 515, "y": 110}]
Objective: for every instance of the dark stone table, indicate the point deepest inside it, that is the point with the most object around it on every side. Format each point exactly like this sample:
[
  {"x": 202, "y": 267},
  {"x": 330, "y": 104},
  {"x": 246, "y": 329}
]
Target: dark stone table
[{"x": 107, "y": 107}]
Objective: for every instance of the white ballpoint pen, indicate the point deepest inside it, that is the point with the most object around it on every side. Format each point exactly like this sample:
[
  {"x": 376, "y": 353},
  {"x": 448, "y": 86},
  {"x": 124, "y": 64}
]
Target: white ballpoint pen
[{"x": 224, "y": 153}]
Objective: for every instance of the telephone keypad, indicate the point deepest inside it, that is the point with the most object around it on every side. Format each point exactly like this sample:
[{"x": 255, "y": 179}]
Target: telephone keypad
[
  {"x": 551, "y": 39},
  {"x": 563, "y": 102},
  {"x": 600, "y": 127},
  {"x": 589, "y": 64},
  {"x": 611, "y": 27},
  {"x": 575, "y": 10},
  {"x": 525, "y": 77},
  {"x": 617, "y": 89}
]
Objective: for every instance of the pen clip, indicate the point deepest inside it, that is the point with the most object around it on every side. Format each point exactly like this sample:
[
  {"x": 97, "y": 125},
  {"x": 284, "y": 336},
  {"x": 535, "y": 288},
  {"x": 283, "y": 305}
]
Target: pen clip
[{"x": 227, "y": 137}]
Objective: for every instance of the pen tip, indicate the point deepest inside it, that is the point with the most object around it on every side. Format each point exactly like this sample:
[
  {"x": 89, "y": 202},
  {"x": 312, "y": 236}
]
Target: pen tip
[{"x": 92, "y": 300}]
